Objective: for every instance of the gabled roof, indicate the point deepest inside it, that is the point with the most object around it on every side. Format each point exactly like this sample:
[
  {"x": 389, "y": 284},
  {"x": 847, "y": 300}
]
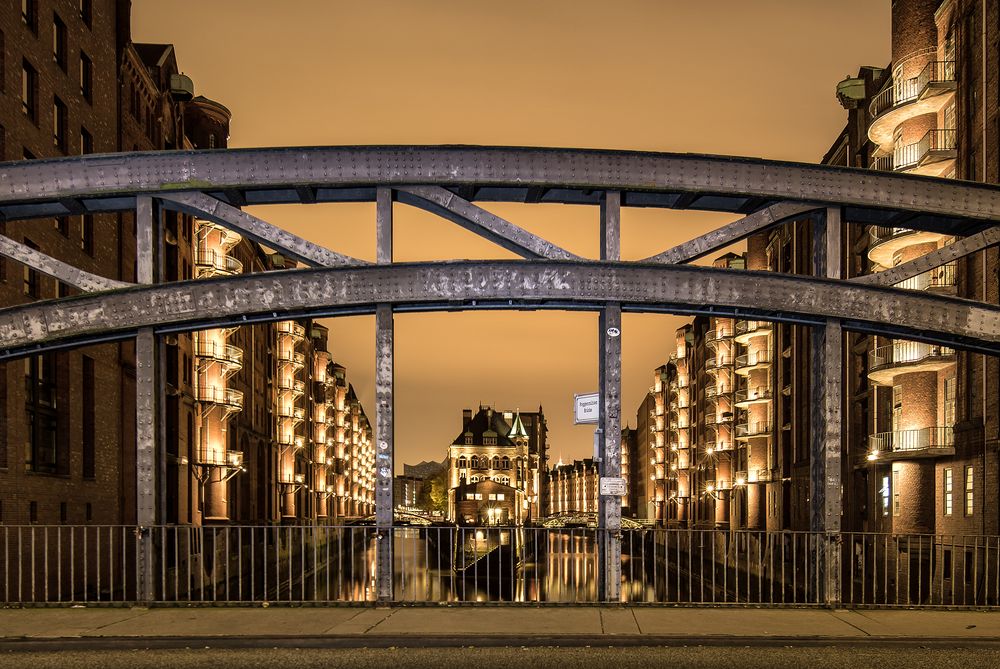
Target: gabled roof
[{"x": 486, "y": 422}]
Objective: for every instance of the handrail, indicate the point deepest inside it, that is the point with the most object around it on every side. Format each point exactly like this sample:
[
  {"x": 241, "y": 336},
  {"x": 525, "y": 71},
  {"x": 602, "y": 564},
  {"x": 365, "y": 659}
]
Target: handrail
[{"x": 908, "y": 90}]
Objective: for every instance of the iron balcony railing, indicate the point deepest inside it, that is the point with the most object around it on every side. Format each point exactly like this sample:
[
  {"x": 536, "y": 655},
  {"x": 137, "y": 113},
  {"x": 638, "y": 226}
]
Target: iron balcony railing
[
  {"x": 716, "y": 419},
  {"x": 222, "y": 396},
  {"x": 717, "y": 362},
  {"x": 220, "y": 458},
  {"x": 746, "y": 360},
  {"x": 912, "y": 440},
  {"x": 881, "y": 163},
  {"x": 291, "y": 328},
  {"x": 755, "y": 429},
  {"x": 713, "y": 337},
  {"x": 912, "y": 155},
  {"x": 901, "y": 353},
  {"x": 294, "y": 386},
  {"x": 216, "y": 262},
  {"x": 909, "y": 90},
  {"x": 939, "y": 277},
  {"x": 750, "y": 327},
  {"x": 296, "y": 413},
  {"x": 332, "y": 563},
  {"x": 713, "y": 392},
  {"x": 293, "y": 440},
  {"x": 231, "y": 356},
  {"x": 294, "y": 358},
  {"x": 750, "y": 395}
]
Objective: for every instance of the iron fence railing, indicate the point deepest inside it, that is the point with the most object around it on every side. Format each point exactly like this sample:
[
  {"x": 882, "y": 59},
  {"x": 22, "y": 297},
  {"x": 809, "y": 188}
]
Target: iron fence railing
[
  {"x": 912, "y": 440},
  {"x": 906, "y": 352},
  {"x": 911, "y": 155},
  {"x": 904, "y": 91},
  {"x": 336, "y": 564}
]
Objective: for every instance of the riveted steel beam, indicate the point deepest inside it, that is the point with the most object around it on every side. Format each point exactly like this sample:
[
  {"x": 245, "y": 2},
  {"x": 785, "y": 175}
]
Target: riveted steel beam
[
  {"x": 926, "y": 263},
  {"x": 188, "y": 305},
  {"x": 57, "y": 269},
  {"x": 384, "y": 461},
  {"x": 826, "y": 493},
  {"x": 262, "y": 232},
  {"x": 110, "y": 182},
  {"x": 731, "y": 233},
  {"x": 486, "y": 224}
]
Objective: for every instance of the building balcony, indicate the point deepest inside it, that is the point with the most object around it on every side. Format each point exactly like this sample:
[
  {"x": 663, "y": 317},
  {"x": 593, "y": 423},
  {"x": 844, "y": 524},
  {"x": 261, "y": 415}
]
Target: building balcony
[
  {"x": 933, "y": 155},
  {"x": 907, "y": 357},
  {"x": 719, "y": 334},
  {"x": 748, "y": 362},
  {"x": 210, "y": 262},
  {"x": 714, "y": 420},
  {"x": 291, "y": 440},
  {"x": 292, "y": 328},
  {"x": 221, "y": 396},
  {"x": 886, "y": 242},
  {"x": 225, "y": 238},
  {"x": 298, "y": 414},
  {"x": 294, "y": 386},
  {"x": 939, "y": 280},
  {"x": 928, "y": 442},
  {"x": 747, "y": 330},
  {"x": 715, "y": 363},
  {"x": 747, "y": 396},
  {"x": 926, "y": 93},
  {"x": 753, "y": 430},
  {"x": 293, "y": 358},
  {"x": 220, "y": 458},
  {"x": 230, "y": 358},
  {"x": 713, "y": 392}
]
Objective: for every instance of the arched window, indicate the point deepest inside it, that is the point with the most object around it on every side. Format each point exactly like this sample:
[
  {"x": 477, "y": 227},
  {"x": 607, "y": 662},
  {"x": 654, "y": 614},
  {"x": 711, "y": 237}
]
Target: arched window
[
  {"x": 505, "y": 462},
  {"x": 474, "y": 462},
  {"x": 505, "y": 480},
  {"x": 496, "y": 462},
  {"x": 474, "y": 479},
  {"x": 462, "y": 462}
]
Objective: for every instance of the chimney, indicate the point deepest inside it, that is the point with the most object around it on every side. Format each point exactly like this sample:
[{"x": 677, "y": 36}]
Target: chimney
[{"x": 466, "y": 418}]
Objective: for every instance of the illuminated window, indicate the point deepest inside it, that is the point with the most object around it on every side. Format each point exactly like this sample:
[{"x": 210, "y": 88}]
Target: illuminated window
[
  {"x": 947, "y": 491},
  {"x": 59, "y": 42},
  {"x": 949, "y": 401},
  {"x": 29, "y": 91},
  {"x": 968, "y": 491}
]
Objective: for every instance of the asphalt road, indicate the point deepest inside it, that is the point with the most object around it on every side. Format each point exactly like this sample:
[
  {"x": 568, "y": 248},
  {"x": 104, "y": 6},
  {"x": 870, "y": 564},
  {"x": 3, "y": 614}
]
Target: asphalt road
[{"x": 501, "y": 658}]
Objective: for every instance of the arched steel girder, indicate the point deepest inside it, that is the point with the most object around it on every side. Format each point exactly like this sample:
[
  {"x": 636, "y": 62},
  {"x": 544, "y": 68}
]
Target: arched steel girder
[
  {"x": 190, "y": 305},
  {"x": 89, "y": 184}
]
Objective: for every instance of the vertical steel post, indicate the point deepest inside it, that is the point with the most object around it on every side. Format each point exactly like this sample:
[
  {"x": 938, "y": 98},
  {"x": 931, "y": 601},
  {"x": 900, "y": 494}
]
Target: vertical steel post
[
  {"x": 826, "y": 492},
  {"x": 384, "y": 461},
  {"x": 609, "y": 421},
  {"x": 146, "y": 418}
]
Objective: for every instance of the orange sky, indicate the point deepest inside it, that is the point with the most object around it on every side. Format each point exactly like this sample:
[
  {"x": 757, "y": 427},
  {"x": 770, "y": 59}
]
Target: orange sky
[{"x": 725, "y": 77}]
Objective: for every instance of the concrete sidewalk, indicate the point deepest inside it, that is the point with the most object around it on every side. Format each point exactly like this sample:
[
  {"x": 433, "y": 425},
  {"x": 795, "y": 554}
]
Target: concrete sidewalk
[{"x": 468, "y": 626}]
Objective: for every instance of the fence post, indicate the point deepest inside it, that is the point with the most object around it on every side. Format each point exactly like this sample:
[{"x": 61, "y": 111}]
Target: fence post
[{"x": 384, "y": 367}]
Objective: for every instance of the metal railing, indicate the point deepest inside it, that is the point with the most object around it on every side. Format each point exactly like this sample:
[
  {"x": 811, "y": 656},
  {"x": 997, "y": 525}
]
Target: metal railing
[
  {"x": 294, "y": 386},
  {"x": 912, "y": 440},
  {"x": 291, "y": 357},
  {"x": 296, "y": 413},
  {"x": 231, "y": 356},
  {"x": 717, "y": 362},
  {"x": 216, "y": 262},
  {"x": 749, "y": 395},
  {"x": 750, "y": 327},
  {"x": 939, "y": 277},
  {"x": 713, "y": 337},
  {"x": 909, "y": 90},
  {"x": 220, "y": 395},
  {"x": 759, "y": 428},
  {"x": 291, "y": 328},
  {"x": 335, "y": 564},
  {"x": 912, "y": 155},
  {"x": 905, "y": 352},
  {"x": 761, "y": 357}
]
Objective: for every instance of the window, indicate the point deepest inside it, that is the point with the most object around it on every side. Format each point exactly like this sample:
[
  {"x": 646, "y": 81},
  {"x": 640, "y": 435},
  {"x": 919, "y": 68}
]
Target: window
[
  {"x": 474, "y": 462},
  {"x": 62, "y": 225},
  {"x": 86, "y": 142},
  {"x": 86, "y": 77},
  {"x": 29, "y": 91},
  {"x": 947, "y": 491},
  {"x": 59, "y": 122},
  {"x": 59, "y": 48},
  {"x": 32, "y": 280},
  {"x": 88, "y": 400},
  {"x": 211, "y": 141},
  {"x": 40, "y": 412},
  {"x": 33, "y": 512},
  {"x": 29, "y": 15},
  {"x": 463, "y": 463},
  {"x": 949, "y": 401},
  {"x": 87, "y": 234},
  {"x": 897, "y": 408},
  {"x": 895, "y": 492},
  {"x": 87, "y": 12},
  {"x": 968, "y": 491}
]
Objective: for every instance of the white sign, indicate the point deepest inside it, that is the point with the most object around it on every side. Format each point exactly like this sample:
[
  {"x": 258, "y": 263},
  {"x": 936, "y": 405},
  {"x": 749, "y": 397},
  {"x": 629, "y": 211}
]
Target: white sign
[
  {"x": 612, "y": 487},
  {"x": 586, "y": 408}
]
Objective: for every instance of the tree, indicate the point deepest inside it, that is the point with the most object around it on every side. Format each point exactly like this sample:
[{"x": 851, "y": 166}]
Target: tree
[{"x": 434, "y": 492}]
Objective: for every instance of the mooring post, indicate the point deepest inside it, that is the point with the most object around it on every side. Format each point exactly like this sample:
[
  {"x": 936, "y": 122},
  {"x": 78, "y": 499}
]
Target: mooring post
[
  {"x": 384, "y": 460},
  {"x": 609, "y": 417},
  {"x": 826, "y": 494}
]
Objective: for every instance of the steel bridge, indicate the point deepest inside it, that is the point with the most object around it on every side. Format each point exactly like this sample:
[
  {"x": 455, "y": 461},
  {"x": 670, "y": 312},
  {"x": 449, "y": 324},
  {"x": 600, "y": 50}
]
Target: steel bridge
[{"x": 449, "y": 181}]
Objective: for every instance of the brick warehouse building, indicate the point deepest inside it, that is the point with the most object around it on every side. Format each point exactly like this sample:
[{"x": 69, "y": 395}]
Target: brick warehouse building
[
  {"x": 77, "y": 84},
  {"x": 921, "y": 421}
]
